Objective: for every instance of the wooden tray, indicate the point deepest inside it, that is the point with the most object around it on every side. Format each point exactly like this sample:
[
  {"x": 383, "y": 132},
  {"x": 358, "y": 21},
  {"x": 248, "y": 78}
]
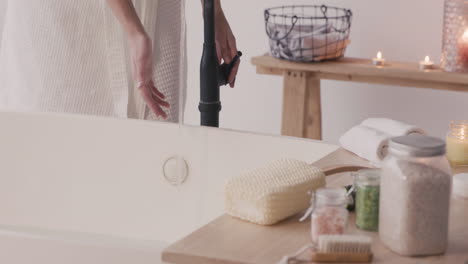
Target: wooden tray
[{"x": 231, "y": 241}]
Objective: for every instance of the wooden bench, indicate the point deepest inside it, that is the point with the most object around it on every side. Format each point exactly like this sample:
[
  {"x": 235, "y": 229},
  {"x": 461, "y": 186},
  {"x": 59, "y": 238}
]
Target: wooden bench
[{"x": 302, "y": 114}]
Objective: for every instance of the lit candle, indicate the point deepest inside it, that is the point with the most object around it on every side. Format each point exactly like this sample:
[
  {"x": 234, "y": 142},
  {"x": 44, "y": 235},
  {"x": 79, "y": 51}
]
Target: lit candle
[
  {"x": 379, "y": 61},
  {"x": 457, "y": 143},
  {"x": 426, "y": 64},
  {"x": 463, "y": 49}
]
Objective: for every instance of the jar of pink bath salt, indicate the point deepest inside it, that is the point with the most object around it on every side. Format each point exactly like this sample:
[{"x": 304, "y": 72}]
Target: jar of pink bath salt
[{"x": 329, "y": 215}]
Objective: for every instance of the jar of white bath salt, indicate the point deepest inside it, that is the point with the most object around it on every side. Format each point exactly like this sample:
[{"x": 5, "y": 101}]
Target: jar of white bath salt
[
  {"x": 329, "y": 215},
  {"x": 415, "y": 196}
]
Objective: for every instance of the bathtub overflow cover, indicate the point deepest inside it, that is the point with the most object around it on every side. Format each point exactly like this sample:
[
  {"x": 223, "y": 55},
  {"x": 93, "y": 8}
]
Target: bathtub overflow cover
[{"x": 175, "y": 170}]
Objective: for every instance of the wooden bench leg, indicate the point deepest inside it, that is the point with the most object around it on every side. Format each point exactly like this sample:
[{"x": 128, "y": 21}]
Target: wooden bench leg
[{"x": 302, "y": 111}]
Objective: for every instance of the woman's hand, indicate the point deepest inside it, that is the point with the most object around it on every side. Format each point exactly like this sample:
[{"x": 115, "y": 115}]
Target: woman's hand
[
  {"x": 226, "y": 43},
  {"x": 141, "y": 53}
]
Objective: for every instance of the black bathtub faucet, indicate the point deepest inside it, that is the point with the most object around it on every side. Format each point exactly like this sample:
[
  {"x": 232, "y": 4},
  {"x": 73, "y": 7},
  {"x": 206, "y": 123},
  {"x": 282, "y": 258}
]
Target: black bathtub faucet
[{"x": 212, "y": 75}]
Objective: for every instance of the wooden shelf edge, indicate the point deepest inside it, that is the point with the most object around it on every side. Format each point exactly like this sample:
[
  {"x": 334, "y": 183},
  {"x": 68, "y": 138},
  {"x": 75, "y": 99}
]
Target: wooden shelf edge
[
  {"x": 354, "y": 69},
  {"x": 375, "y": 80}
]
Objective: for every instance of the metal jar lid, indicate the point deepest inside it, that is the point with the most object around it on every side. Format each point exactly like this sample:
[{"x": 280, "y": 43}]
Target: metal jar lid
[
  {"x": 416, "y": 145},
  {"x": 331, "y": 196},
  {"x": 368, "y": 177}
]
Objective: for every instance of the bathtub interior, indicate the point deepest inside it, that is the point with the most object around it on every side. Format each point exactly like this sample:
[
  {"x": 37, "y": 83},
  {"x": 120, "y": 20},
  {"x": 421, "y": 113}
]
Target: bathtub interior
[
  {"x": 81, "y": 175},
  {"x": 20, "y": 245}
]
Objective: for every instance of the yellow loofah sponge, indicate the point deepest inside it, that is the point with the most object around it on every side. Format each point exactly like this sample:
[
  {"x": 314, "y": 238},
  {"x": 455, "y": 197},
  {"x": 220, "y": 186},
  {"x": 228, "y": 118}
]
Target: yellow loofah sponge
[{"x": 268, "y": 195}]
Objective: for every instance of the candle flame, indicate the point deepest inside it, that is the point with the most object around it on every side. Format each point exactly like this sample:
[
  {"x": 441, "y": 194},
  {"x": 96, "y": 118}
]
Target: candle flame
[
  {"x": 427, "y": 59},
  {"x": 379, "y": 55},
  {"x": 465, "y": 36}
]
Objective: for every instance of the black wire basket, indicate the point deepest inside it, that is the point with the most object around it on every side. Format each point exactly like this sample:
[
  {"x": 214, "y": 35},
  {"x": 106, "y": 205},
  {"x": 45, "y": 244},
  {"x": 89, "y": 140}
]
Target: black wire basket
[{"x": 308, "y": 33}]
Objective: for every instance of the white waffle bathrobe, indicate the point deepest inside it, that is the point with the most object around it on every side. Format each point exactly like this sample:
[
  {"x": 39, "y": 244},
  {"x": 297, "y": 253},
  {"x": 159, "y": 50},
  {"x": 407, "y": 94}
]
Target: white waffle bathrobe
[{"x": 70, "y": 56}]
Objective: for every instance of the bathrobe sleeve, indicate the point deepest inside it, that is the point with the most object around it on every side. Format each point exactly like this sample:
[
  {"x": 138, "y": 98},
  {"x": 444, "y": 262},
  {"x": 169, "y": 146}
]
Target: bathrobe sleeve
[{"x": 54, "y": 59}]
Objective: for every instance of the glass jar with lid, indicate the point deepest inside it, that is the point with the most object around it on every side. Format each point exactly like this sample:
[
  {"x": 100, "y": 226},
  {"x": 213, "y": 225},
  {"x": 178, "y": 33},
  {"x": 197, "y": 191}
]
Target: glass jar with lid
[
  {"x": 415, "y": 196},
  {"x": 367, "y": 187},
  {"x": 457, "y": 143},
  {"x": 329, "y": 213}
]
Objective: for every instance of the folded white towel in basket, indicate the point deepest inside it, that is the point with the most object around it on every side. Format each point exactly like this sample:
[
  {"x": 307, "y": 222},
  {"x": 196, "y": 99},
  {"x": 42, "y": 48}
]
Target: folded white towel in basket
[
  {"x": 392, "y": 127},
  {"x": 319, "y": 47},
  {"x": 308, "y": 43},
  {"x": 366, "y": 142}
]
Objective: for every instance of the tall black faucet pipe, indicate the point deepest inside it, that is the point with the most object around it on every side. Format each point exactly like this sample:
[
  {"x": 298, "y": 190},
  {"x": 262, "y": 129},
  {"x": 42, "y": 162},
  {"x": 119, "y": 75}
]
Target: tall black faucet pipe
[
  {"x": 212, "y": 75},
  {"x": 210, "y": 104}
]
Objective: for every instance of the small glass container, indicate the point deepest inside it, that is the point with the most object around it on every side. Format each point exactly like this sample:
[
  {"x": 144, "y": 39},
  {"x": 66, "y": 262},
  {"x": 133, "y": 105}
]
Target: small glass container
[
  {"x": 457, "y": 143},
  {"x": 415, "y": 196},
  {"x": 329, "y": 215},
  {"x": 455, "y": 36},
  {"x": 367, "y": 186}
]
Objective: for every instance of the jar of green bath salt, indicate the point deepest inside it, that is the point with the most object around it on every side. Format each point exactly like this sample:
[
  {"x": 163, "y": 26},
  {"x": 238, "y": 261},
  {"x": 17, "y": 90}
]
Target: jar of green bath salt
[{"x": 367, "y": 186}]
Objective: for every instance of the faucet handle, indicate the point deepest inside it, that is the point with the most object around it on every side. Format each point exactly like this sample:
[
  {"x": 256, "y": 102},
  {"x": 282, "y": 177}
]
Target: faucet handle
[{"x": 226, "y": 69}]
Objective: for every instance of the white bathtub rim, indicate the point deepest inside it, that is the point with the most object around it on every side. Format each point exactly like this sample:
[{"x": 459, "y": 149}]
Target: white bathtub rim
[{"x": 153, "y": 123}]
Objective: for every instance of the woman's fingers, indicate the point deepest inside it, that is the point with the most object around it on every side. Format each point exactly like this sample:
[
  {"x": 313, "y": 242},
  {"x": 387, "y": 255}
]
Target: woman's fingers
[
  {"x": 157, "y": 95},
  {"x": 232, "y": 43},
  {"x": 157, "y": 92},
  {"x": 154, "y": 102},
  {"x": 233, "y": 76},
  {"x": 229, "y": 51},
  {"x": 149, "y": 101},
  {"x": 161, "y": 102},
  {"x": 233, "y": 49},
  {"x": 161, "y": 113},
  {"x": 226, "y": 53},
  {"x": 219, "y": 53}
]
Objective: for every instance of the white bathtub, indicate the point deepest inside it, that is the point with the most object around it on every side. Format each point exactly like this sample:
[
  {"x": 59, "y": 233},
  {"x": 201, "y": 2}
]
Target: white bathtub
[{"x": 91, "y": 190}]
